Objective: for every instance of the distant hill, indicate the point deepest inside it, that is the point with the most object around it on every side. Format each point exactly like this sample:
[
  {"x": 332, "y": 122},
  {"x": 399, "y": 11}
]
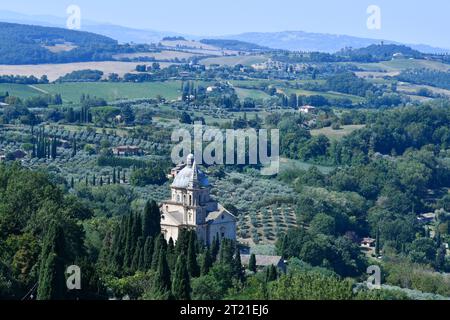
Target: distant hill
[
  {"x": 307, "y": 41},
  {"x": 379, "y": 52},
  {"x": 119, "y": 33},
  {"x": 286, "y": 40},
  {"x": 28, "y": 44},
  {"x": 234, "y": 45}
]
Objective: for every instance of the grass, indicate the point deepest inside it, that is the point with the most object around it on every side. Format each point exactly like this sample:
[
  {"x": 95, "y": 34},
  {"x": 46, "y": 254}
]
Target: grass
[
  {"x": 403, "y": 64},
  {"x": 19, "y": 90},
  {"x": 251, "y": 93},
  {"x": 336, "y": 134},
  {"x": 328, "y": 95},
  {"x": 110, "y": 91}
]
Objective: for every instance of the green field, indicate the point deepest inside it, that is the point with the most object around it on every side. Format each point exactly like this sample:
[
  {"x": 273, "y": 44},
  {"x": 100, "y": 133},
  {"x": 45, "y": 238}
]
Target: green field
[
  {"x": 18, "y": 90},
  {"x": 251, "y": 93},
  {"x": 403, "y": 64},
  {"x": 336, "y": 134},
  {"x": 328, "y": 95},
  {"x": 71, "y": 92}
]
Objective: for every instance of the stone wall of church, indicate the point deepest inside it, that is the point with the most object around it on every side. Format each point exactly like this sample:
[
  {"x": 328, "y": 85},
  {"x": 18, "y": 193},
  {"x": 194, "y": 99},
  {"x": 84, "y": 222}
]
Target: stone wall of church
[
  {"x": 226, "y": 229},
  {"x": 169, "y": 232}
]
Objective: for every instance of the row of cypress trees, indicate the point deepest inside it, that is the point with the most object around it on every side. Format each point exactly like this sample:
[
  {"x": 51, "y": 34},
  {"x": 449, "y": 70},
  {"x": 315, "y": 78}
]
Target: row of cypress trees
[
  {"x": 138, "y": 245},
  {"x": 43, "y": 147}
]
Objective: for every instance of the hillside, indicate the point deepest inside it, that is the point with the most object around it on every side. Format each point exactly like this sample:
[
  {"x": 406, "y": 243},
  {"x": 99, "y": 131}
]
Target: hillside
[
  {"x": 29, "y": 44},
  {"x": 234, "y": 45},
  {"x": 308, "y": 41}
]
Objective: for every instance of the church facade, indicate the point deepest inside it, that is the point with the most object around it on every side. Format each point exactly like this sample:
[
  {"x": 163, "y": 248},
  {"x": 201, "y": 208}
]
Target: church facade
[{"x": 192, "y": 207}]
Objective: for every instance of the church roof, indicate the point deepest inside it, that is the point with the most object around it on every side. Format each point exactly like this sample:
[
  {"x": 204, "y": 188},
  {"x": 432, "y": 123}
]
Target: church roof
[
  {"x": 213, "y": 215},
  {"x": 176, "y": 216},
  {"x": 190, "y": 176}
]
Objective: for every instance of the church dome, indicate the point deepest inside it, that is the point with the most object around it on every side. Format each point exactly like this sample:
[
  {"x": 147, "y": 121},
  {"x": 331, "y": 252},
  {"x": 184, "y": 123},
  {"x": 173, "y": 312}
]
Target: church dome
[{"x": 189, "y": 175}]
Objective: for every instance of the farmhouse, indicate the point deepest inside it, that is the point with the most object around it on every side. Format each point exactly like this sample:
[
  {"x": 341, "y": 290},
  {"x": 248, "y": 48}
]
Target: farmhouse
[
  {"x": 368, "y": 242},
  {"x": 126, "y": 150},
  {"x": 191, "y": 207},
  {"x": 307, "y": 109},
  {"x": 263, "y": 261}
]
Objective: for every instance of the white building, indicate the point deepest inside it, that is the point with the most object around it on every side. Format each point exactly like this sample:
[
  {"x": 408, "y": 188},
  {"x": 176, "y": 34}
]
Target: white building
[
  {"x": 307, "y": 109},
  {"x": 192, "y": 207}
]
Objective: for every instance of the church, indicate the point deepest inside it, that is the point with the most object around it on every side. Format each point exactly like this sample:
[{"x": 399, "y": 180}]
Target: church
[{"x": 192, "y": 207}]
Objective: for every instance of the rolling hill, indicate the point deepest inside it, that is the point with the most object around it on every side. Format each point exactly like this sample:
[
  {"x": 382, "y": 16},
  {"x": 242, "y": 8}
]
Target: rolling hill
[
  {"x": 31, "y": 44},
  {"x": 308, "y": 41},
  {"x": 286, "y": 40}
]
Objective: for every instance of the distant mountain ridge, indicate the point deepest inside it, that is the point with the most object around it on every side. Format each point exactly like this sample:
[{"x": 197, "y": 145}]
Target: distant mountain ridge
[
  {"x": 285, "y": 40},
  {"x": 309, "y": 41}
]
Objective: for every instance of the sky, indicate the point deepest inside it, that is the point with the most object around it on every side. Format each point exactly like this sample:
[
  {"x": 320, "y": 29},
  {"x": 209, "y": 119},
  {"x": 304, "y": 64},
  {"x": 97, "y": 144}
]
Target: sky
[{"x": 408, "y": 21}]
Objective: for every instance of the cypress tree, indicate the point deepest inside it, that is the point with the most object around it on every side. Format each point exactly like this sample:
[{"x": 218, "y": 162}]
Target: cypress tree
[
  {"x": 136, "y": 227},
  {"x": 93, "y": 180},
  {"x": 193, "y": 267},
  {"x": 159, "y": 246},
  {"x": 252, "y": 263},
  {"x": 206, "y": 262},
  {"x": 114, "y": 175},
  {"x": 226, "y": 252},
  {"x": 54, "y": 148},
  {"x": 74, "y": 147},
  {"x": 215, "y": 245},
  {"x": 181, "y": 286},
  {"x": 118, "y": 245},
  {"x": 182, "y": 242},
  {"x": 129, "y": 246},
  {"x": 101, "y": 181},
  {"x": 148, "y": 252},
  {"x": 377, "y": 243},
  {"x": 137, "y": 255},
  {"x": 162, "y": 279},
  {"x": 171, "y": 255},
  {"x": 51, "y": 282},
  {"x": 271, "y": 273},
  {"x": 72, "y": 183},
  {"x": 237, "y": 265},
  {"x": 152, "y": 219}
]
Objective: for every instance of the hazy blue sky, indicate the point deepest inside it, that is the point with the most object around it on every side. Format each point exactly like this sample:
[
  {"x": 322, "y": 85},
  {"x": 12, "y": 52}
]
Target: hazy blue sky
[{"x": 410, "y": 21}]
